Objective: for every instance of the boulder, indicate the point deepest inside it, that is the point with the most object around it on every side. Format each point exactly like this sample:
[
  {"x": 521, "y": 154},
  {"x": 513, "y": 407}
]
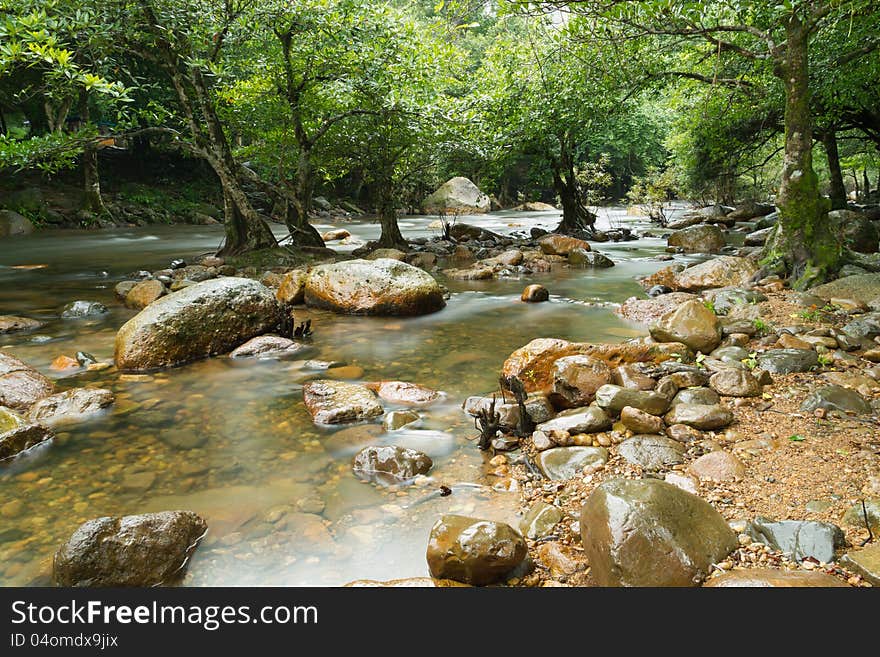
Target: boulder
[
  {"x": 698, "y": 239},
  {"x": 12, "y": 324},
  {"x": 770, "y": 578},
  {"x": 576, "y": 380},
  {"x": 457, "y": 196},
  {"x": 561, "y": 245},
  {"x": 267, "y": 346},
  {"x": 18, "y": 435},
  {"x": 562, "y": 463},
  {"x": 648, "y": 311},
  {"x": 534, "y": 206},
  {"x": 198, "y": 321},
  {"x": 144, "y": 293},
  {"x": 728, "y": 299},
  {"x": 337, "y": 402},
  {"x": 390, "y": 254},
  {"x": 584, "y": 258},
  {"x": 758, "y": 237},
  {"x": 692, "y": 324},
  {"x": 389, "y": 464},
  {"x": 723, "y": 271},
  {"x": 535, "y": 294},
  {"x": 81, "y": 309},
  {"x": 704, "y": 417},
  {"x": 857, "y": 231},
  {"x": 539, "y": 520},
  {"x": 335, "y": 234},
  {"x": 71, "y": 405},
  {"x": 863, "y": 288},
  {"x": 836, "y": 398},
  {"x": 292, "y": 289},
  {"x": 652, "y": 452},
  {"x": 20, "y": 385},
  {"x": 399, "y": 419},
  {"x": 641, "y": 422},
  {"x": 473, "y": 551},
  {"x": 865, "y": 562},
  {"x": 799, "y": 538},
  {"x": 12, "y": 223},
  {"x": 404, "y": 393},
  {"x": 786, "y": 361},
  {"x": 650, "y": 533},
  {"x": 750, "y": 210},
  {"x": 697, "y": 395},
  {"x": 718, "y": 466},
  {"x": 613, "y": 399},
  {"x": 144, "y": 550},
  {"x": 377, "y": 287},
  {"x": 732, "y": 382}
]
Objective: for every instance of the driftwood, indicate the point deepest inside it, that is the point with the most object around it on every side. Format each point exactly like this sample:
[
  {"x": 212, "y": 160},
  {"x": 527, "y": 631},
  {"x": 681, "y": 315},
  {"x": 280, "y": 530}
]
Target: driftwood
[
  {"x": 487, "y": 421},
  {"x": 289, "y": 329},
  {"x": 524, "y": 426}
]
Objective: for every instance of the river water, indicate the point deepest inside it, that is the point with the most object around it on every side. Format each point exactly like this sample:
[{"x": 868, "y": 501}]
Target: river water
[{"x": 232, "y": 440}]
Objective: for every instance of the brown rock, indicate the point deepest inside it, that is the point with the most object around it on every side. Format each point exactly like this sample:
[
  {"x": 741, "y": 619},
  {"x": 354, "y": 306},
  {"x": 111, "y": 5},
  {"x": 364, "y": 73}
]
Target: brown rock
[
  {"x": 718, "y": 466},
  {"x": 627, "y": 376},
  {"x": 723, "y": 271},
  {"x": 62, "y": 363},
  {"x": 11, "y": 324},
  {"x": 71, "y": 405},
  {"x": 18, "y": 435},
  {"x": 535, "y": 294},
  {"x": 337, "y": 402},
  {"x": 576, "y": 380},
  {"x": 640, "y": 422},
  {"x": 788, "y": 341},
  {"x": 144, "y": 293},
  {"x": 692, "y": 324},
  {"x": 337, "y": 234},
  {"x": 21, "y": 385},
  {"x": 292, "y": 288},
  {"x": 562, "y": 245},
  {"x": 648, "y": 311},
  {"x": 767, "y": 578},
  {"x": 390, "y": 464},
  {"x": 401, "y": 392}
]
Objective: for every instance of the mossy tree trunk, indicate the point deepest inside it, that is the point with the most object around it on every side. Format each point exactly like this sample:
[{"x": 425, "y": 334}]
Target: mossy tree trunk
[
  {"x": 391, "y": 237},
  {"x": 837, "y": 188},
  {"x": 576, "y": 217},
  {"x": 93, "y": 201}
]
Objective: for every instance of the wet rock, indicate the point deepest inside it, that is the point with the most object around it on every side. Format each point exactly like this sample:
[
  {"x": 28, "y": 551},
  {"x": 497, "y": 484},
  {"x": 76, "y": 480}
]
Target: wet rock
[
  {"x": 18, "y": 435},
  {"x": 860, "y": 287},
  {"x": 705, "y": 417},
  {"x": 758, "y": 237},
  {"x": 71, "y": 405},
  {"x": 193, "y": 273},
  {"x": 391, "y": 254},
  {"x": 535, "y": 294},
  {"x": 144, "y": 550},
  {"x": 683, "y": 481},
  {"x": 683, "y": 433},
  {"x": 21, "y": 385},
  {"x": 691, "y": 323},
  {"x": 856, "y": 230},
  {"x": 698, "y": 239},
  {"x": 648, "y": 311},
  {"x": 80, "y": 309},
  {"x": 640, "y": 422},
  {"x": 292, "y": 289},
  {"x": 865, "y": 562},
  {"x": 399, "y": 419},
  {"x": 836, "y": 398},
  {"x": 390, "y": 464},
  {"x": 652, "y": 452},
  {"x": 144, "y": 293},
  {"x": 735, "y": 383},
  {"x": 578, "y": 420},
  {"x": 404, "y": 393},
  {"x": 539, "y": 520},
  {"x": 12, "y": 324},
  {"x": 750, "y": 210},
  {"x": 613, "y": 399},
  {"x": 201, "y": 320},
  {"x": 583, "y": 258},
  {"x": 629, "y": 376},
  {"x": 576, "y": 380},
  {"x": 337, "y": 402},
  {"x": 718, "y": 466},
  {"x": 336, "y": 234},
  {"x": 562, "y": 245},
  {"x": 562, "y": 463},
  {"x": 799, "y": 538},
  {"x": 267, "y": 346},
  {"x": 690, "y": 378},
  {"x": 378, "y": 287},
  {"x": 786, "y": 361},
  {"x": 473, "y": 551},
  {"x": 729, "y": 299},
  {"x": 770, "y": 578},
  {"x": 538, "y": 408},
  {"x": 724, "y": 271},
  {"x": 650, "y": 533},
  {"x": 12, "y": 223},
  {"x": 457, "y": 195},
  {"x": 698, "y": 395},
  {"x": 409, "y": 582}
]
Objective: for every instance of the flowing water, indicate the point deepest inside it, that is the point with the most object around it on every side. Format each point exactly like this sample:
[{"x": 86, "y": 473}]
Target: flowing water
[{"x": 232, "y": 440}]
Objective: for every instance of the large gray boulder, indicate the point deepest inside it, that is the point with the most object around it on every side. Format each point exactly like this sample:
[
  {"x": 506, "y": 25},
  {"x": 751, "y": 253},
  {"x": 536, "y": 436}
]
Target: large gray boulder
[
  {"x": 723, "y": 271},
  {"x": 860, "y": 287},
  {"x": 12, "y": 223},
  {"x": 457, "y": 195},
  {"x": 698, "y": 239},
  {"x": 691, "y": 323},
  {"x": 857, "y": 231},
  {"x": 201, "y": 320}
]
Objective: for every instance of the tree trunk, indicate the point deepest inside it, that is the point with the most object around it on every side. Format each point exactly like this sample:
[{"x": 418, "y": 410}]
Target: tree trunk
[
  {"x": 92, "y": 199},
  {"x": 391, "y": 237},
  {"x": 302, "y": 233},
  {"x": 803, "y": 245},
  {"x": 245, "y": 228},
  {"x": 576, "y": 218},
  {"x": 838, "y": 189}
]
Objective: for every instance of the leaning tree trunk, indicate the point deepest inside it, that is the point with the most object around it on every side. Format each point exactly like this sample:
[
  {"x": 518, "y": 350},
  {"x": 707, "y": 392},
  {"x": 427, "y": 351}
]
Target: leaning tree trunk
[
  {"x": 391, "y": 237},
  {"x": 302, "y": 233},
  {"x": 92, "y": 200},
  {"x": 804, "y": 245},
  {"x": 838, "y": 190},
  {"x": 244, "y": 227}
]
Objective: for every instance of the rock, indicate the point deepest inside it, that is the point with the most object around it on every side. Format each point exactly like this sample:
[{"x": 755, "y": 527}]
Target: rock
[
  {"x": 750, "y": 210},
  {"x": 144, "y": 293},
  {"x": 576, "y": 380},
  {"x": 337, "y": 402},
  {"x": 535, "y": 294},
  {"x": 538, "y": 408},
  {"x": 539, "y": 520},
  {"x": 770, "y": 578},
  {"x": 866, "y": 326},
  {"x": 267, "y": 346},
  {"x": 652, "y": 452},
  {"x": 12, "y": 324},
  {"x": 861, "y": 287},
  {"x": 390, "y": 464},
  {"x": 788, "y": 341},
  {"x": 650, "y": 533},
  {"x": 401, "y": 392},
  {"x": 456, "y": 196},
  {"x": 613, "y": 399},
  {"x": 758, "y": 237},
  {"x": 852, "y": 380},
  {"x": 20, "y": 385},
  {"x": 389, "y": 254},
  {"x": 71, "y": 405},
  {"x": 855, "y": 515},
  {"x": 144, "y": 550},
  {"x": 562, "y": 245},
  {"x": 582, "y": 258},
  {"x": 640, "y": 422},
  {"x": 562, "y": 463},
  {"x": 683, "y": 481},
  {"x": 80, "y": 309},
  {"x": 683, "y": 433},
  {"x": 704, "y": 417},
  {"x": 726, "y": 300},
  {"x": 336, "y": 234},
  {"x": 856, "y": 230},
  {"x": 648, "y": 311},
  {"x": 865, "y": 562},
  {"x": 698, "y": 239},
  {"x": 534, "y": 206},
  {"x": 510, "y": 258},
  {"x": 692, "y": 324},
  {"x": 786, "y": 361},
  {"x": 292, "y": 289},
  {"x": 476, "y": 273},
  {"x": 201, "y": 320},
  {"x": 836, "y": 398},
  {"x": 724, "y": 271},
  {"x": 698, "y": 395},
  {"x": 405, "y": 583},
  {"x": 378, "y": 287},
  {"x": 399, "y": 419},
  {"x": 799, "y": 538},
  {"x": 18, "y": 435},
  {"x": 578, "y": 420},
  {"x": 12, "y": 223},
  {"x": 464, "y": 232},
  {"x": 718, "y": 466},
  {"x": 63, "y": 362},
  {"x": 731, "y": 382},
  {"x": 629, "y": 376},
  {"x": 426, "y": 261},
  {"x": 473, "y": 551}
]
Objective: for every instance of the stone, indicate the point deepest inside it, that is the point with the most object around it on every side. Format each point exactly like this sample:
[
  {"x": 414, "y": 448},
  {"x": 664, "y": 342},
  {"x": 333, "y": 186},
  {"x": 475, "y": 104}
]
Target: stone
[
  {"x": 399, "y": 419},
  {"x": 697, "y": 395},
  {"x": 705, "y": 417},
  {"x": 855, "y": 515},
  {"x": 373, "y": 287},
  {"x": 81, "y": 309},
  {"x": 652, "y": 452},
  {"x": 562, "y": 245},
  {"x": 718, "y": 466},
  {"x": 292, "y": 288},
  {"x": 390, "y": 464},
  {"x": 198, "y": 321},
  {"x": 337, "y": 402},
  {"x": 613, "y": 399},
  {"x": 18, "y": 435},
  {"x": 836, "y": 398},
  {"x": 799, "y": 538},
  {"x": 538, "y": 408},
  {"x": 404, "y": 393},
  {"x": 456, "y": 196},
  {"x": 267, "y": 346},
  {"x": 786, "y": 361},
  {"x": 698, "y": 239},
  {"x": 583, "y": 258},
  {"x": 649, "y": 311},
  {"x": 539, "y": 520},
  {"x": 750, "y": 210},
  {"x": 650, "y": 533},
  {"x": 143, "y": 550},
  {"x": 561, "y": 560},
  {"x": 683, "y": 481},
  {"x": 692, "y": 324},
  {"x": 405, "y": 583},
  {"x": 473, "y": 551},
  {"x": 724, "y": 271},
  {"x": 732, "y": 382},
  {"x": 576, "y": 380},
  {"x": 13, "y": 324},
  {"x": 726, "y": 300},
  {"x": 20, "y": 385},
  {"x": 591, "y": 419},
  {"x": 390, "y": 254},
  {"x": 788, "y": 341},
  {"x": 863, "y": 288},
  {"x": 144, "y": 293},
  {"x": 562, "y": 463},
  {"x": 683, "y": 433},
  {"x": 335, "y": 234},
  {"x": 12, "y": 224},
  {"x": 71, "y": 405},
  {"x": 771, "y": 578},
  {"x": 629, "y": 376},
  {"x": 535, "y": 294},
  {"x": 856, "y": 230},
  {"x": 865, "y": 562},
  {"x": 640, "y": 422}
]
